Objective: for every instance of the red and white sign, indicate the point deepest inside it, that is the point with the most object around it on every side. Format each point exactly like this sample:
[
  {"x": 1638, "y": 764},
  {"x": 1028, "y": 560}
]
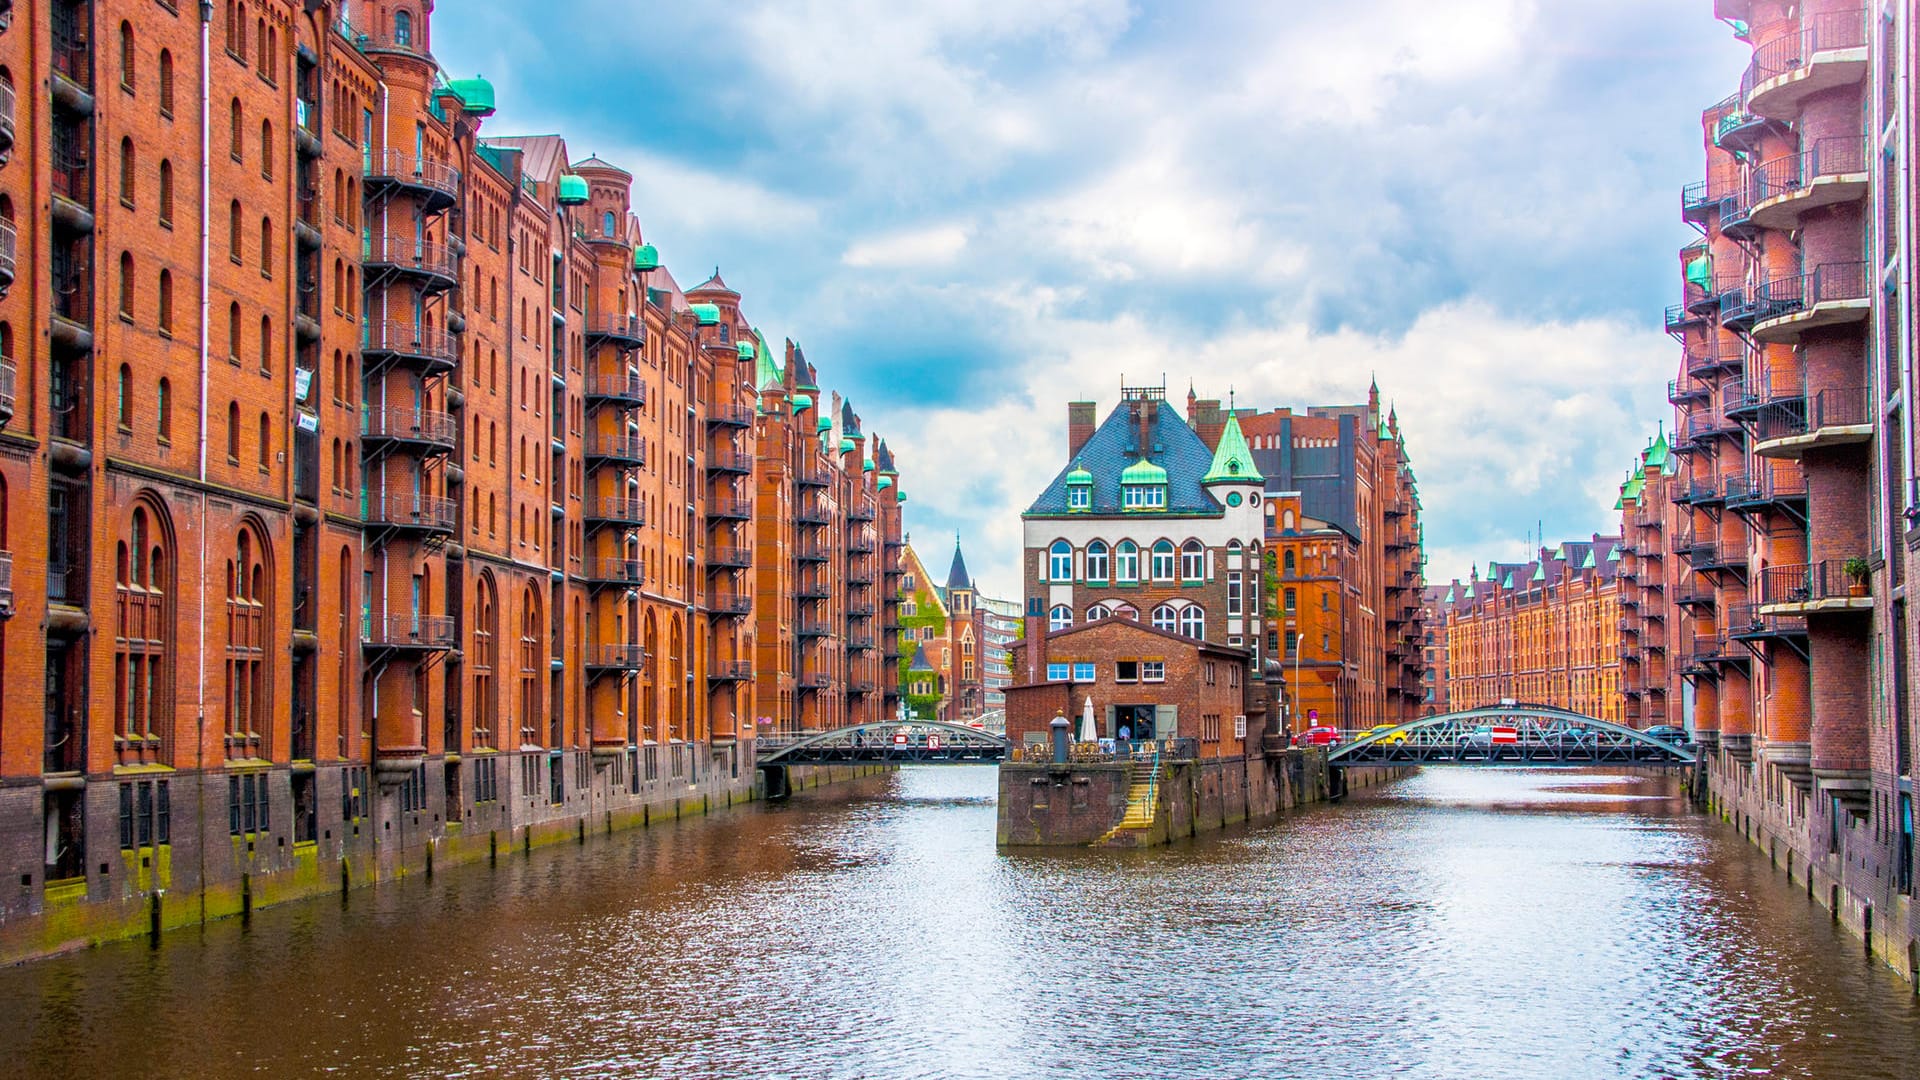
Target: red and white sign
[
  {"x": 933, "y": 741},
  {"x": 1506, "y": 736},
  {"x": 899, "y": 738}
]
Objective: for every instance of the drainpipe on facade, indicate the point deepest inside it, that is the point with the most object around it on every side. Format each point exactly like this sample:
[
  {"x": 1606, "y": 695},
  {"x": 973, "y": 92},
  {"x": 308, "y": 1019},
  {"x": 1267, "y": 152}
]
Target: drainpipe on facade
[{"x": 206, "y": 209}]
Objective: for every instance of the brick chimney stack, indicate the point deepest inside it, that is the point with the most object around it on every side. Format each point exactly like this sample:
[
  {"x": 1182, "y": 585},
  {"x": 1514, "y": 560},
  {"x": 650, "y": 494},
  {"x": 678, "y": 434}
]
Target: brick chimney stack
[{"x": 1080, "y": 424}]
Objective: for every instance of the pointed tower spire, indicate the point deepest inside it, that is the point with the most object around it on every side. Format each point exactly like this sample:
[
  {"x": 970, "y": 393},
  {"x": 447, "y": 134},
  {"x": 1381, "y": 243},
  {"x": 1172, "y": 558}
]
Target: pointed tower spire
[{"x": 1233, "y": 458}]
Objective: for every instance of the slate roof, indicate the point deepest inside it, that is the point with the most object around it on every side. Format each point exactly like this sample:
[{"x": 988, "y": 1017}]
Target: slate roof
[
  {"x": 713, "y": 284},
  {"x": 1175, "y": 447},
  {"x": 921, "y": 661},
  {"x": 957, "y": 577}
]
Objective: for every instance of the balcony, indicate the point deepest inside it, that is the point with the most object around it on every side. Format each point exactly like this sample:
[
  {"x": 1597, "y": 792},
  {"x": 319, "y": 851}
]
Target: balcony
[
  {"x": 626, "y": 331},
  {"x": 7, "y": 375},
  {"x": 860, "y": 511},
  {"x": 816, "y": 476},
  {"x": 1705, "y": 491},
  {"x": 620, "y": 391},
  {"x": 429, "y": 515},
  {"x": 1787, "y": 427},
  {"x": 6, "y": 584},
  {"x": 860, "y": 686},
  {"x": 1738, "y": 310},
  {"x": 1747, "y": 622},
  {"x": 1742, "y": 398},
  {"x": 616, "y": 510},
  {"x": 724, "y": 671},
  {"x": 1695, "y": 204},
  {"x": 729, "y": 558},
  {"x": 1785, "y": 70},
  {"x": 812, "y": 628},
  {"x": 729, "y": 603},
  {"x": 730, "y": 463},
  {"x": 1629, "y": 627},
  {"x": 1739, "y": 131},
  {"x": 860, "y": 545},
  {"x": 620, "y": 451},
  {"x": 619, "y": 658},
  {"x": 616, "y": 572},
  {"x": 1703, "y": 426},
  {"x": 407, "y": 633},
  {"x": 1767, "y": 491},
  {"x": 425, "y": 348},
  {"x": 1709, "y": 652},
  {"x": 1707, "y": 556},
  {"x": 435, "y": 183},
  {"x": 422, "y": 430},
  {"x": 815, "y": 680},
  {"x": 729, "y": 509},
  {"x": 1823, "y": 587},
  {"x": 1686, "y": 391},
  {"x": 738, "y": 416},
  {"x": 1693, "y": 596},
  {"x": 810, "y": 515},
  {"x": 1832, "y": 294},
  {"x": 1833, "y": 172},
  {"x": 1706, "y": 361},
  {"x": 811, "y": 553},
  {"x": 814, "y": 590},
  {"x": 433, "y": 268}
]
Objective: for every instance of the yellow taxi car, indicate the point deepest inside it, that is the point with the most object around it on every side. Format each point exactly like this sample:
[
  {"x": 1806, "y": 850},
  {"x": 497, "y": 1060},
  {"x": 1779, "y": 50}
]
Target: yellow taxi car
[{"x": 1391, "y": 740}]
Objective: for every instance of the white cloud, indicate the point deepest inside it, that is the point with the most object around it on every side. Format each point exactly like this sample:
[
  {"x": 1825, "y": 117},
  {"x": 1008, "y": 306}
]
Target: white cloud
[{"x": 935, "y": 246}]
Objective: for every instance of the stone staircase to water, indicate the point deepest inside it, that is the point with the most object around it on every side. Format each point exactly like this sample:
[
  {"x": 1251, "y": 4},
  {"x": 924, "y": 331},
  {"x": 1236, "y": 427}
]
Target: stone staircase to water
[{"x": 1143, "y": 785}]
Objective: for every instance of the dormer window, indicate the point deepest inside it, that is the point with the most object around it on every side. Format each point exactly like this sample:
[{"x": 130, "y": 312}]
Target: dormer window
[
  {"x": 1080, "y": 498},
  {"x": 1145, "y": 496}
]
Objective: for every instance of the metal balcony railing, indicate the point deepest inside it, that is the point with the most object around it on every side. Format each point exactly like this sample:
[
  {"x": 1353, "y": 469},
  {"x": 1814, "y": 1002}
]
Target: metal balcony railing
[
  {"x": 1745, "y": 622},
  {"x": 622, "y": 449},
  {"x": 7, "y": 375},
  {"x": 614, "y": 570},
  {"x": 626, "y": 329},
  {"x": 1828, "y": 157},
  {"x": 729, "y": 461},
  {"x": 408, "y": 511},
  {"x": 409, "y": 341},
  {"x": 404, "y": 424},
  {"x": 730, "y": 415},
  {"x": 621, "y": 657},
  {"x": 729, "y": 670},
  {"x": 1810, "y": 583},
  {"x": 1834, "y": 407},
  {"x": 1767, "y": 487},
  {"x": 9, "y": 245},
  {"x": 1795, "y": 49},
  {"x": 729, "y": 603},
  {"x": 407, "y": 631},
  {"x": 407, "y": 255},
  {"x": 1825, "y": 284},
  {"x": 730, "y": 557},
  {"x": 626, "y": 389},
  {"x": 412, "y": 170}
]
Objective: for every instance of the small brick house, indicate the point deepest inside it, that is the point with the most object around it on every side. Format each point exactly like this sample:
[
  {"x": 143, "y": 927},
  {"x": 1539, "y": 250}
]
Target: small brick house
[{"x": 1157, "y": 683}]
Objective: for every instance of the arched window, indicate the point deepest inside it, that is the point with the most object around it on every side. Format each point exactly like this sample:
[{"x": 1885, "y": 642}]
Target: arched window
[
  {"x": 249, "y": 679},
  {"x": 166, "y": 83},
  {"x": 266, "y": 343},
  {"x": 234, "y": 229},
  {"x": 1163, "y": 560},
  {"x": 1060, "y": 561},
  {"x": 233, "y": 432},
  {"x": 1126, "y": 563},
  {"x": 266, "y": 149},
  {"x": 1098, "y": 612},
  {"x": 266, "y": 441},
  {"x": 402, "y": 28},
  {"x": 1060, "y": 617},
  {"x": 1097, "y": 561},
  {"x": 233, "y": 332},
  {"x": 126, "y": 56},
  {"x": 126, "y": 171},
  {"x": 1193, "y": 621},
  {"x": 166, "y": 193},
  {"x": 1193, "y": 561},
  {"x": 126, "y": 284},
  {"x": 485, "y": 658},
  {"x": 142, "y": 643},
  {"x": 235, "y": 130},
  {"x": 1287, "y": 563},
  {"x": 266, "y": 246},
  {"x": 123, "y": 398},
  {"x": 606, "y": 225},
  {"x": 165, "y": 302},
  {"x": 164, "y": 404},
  {"x": 1166, "y": 618}
]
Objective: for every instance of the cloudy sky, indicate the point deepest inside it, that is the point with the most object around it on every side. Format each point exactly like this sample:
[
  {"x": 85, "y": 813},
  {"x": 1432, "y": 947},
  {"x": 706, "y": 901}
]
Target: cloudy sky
[{"x": 971, "y": 211}]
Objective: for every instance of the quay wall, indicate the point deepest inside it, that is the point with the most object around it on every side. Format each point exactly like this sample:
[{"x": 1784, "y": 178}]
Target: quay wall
[
  {"x": 208, "y": 871},
  {"x": 1080, "y": 803}
]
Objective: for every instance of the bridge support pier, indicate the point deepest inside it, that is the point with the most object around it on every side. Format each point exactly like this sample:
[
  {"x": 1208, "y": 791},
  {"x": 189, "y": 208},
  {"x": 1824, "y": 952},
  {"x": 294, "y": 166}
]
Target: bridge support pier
[{"x": 778, "y": 784}]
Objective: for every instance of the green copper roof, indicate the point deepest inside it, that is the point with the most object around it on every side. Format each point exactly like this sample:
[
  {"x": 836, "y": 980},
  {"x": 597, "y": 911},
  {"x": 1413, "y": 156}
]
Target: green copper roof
[
  {"x": 1560, "y": 552},
  {"x": 708, "y": 314},
  {"x": 475, "y": 94},
  {"x": 1507, "y": 583},
  {"x": 1540, "y": 572},
  {"x": 1448, "y": 599},
  {"x": 573, "y": 189},
  {"x": 1633, "y": 489},
  {"x": 646, "y": 257},
  {"x": 900, "y": 496},
  {"x": 1143, "y": 472},
  {"x": 1233, "y": 458},
  {"x": 745, "y": 351},
  {"x": 1612, "y": 556},
  {"x": 1589, "y": 564},
  {"x": 1657, "y": 453},
  {"x": 771, "y": 371},
  {"x": 825, "y": 423},
  {"x": 1700, "y": 271},
  {"x": 1080, "y": 476},
  {"x": 884, "y": 483},
  {"x": 867, "y": 465},
  {"x": 1741, "y": 29},
  {"x": 847, "y": 445},
  {"x": 802, "y": 402}
]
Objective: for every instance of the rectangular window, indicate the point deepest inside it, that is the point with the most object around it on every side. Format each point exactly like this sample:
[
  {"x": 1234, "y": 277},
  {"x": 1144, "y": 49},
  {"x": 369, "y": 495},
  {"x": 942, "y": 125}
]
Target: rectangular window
[
  {"x": 1057, "y": 672},
  {"x": 1079, "y": 498},
  {"x": 1234, "y": 604},
  {"x": 1126, "y": 671},
  {"x": 1083, "y": 673},
  {"x": 1153, "y": 671}
]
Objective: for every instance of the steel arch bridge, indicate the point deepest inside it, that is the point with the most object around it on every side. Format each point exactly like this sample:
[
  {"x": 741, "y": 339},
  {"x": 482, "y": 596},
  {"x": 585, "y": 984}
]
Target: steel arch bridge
[
  {"x": 925, "y": 742},
  {"x": 1519, "y": 734}
]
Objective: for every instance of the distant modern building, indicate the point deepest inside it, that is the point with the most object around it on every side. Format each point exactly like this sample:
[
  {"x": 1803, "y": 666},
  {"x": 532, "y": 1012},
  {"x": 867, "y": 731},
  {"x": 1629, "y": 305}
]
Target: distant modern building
[{"x": 954, "y": 664}]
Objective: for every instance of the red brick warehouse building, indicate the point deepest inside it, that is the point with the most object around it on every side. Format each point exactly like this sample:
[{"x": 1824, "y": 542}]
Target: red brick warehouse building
[{"x": 453, "y": 520}]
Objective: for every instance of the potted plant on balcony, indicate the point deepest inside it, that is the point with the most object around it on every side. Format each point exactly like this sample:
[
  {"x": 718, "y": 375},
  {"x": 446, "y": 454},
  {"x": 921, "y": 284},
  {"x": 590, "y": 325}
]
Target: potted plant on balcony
[{"x": 1856, "y": 571}]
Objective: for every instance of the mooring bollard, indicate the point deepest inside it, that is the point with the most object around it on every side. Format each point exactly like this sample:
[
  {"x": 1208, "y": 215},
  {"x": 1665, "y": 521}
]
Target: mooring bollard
[{"x": 1060, "y": 727}]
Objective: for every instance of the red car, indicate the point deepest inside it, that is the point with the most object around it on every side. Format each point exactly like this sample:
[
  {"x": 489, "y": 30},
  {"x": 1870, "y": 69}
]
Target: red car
[{"x": 1318, "y": 736}]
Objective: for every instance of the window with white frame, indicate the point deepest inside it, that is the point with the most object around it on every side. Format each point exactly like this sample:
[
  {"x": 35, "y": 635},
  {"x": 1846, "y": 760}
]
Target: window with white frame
[
  {"x": 1082, "y": 672},
  {"x": 1126, "y": 563},
  {"x": 1193, "y": 561},
  {"x": 1234, "y": 604},
  {"x": 1153, "y": 671},
  {"x": 1163, "y": 561},
  {"x": 1079, "y": 497},
  {"x": 1166, "y": 618},
  {"x": 1097, "y": 561},
  {"x": 1193, "y": 621},
  {"x": 1060, "y": 617},
  {"x": 1060, "y": 561},
  {"x": 1098, "y": 612},
  {"x": 1057, "y": 672}
]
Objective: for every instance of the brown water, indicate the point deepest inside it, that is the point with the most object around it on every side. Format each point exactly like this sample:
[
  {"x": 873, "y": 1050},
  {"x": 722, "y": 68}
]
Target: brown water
[{"x": 1470, "y": 924}]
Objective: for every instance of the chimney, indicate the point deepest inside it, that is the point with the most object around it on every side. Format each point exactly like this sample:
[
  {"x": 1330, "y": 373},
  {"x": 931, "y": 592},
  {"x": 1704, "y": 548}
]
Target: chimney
[{"x": 1079, "y": 426}]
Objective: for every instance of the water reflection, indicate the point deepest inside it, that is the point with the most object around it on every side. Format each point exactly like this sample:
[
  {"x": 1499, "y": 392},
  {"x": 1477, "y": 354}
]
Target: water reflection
[{"x": 1456, "y": 924}]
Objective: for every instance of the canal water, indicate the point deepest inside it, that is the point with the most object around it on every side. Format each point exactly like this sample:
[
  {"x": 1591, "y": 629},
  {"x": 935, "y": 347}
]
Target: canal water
[{"x": 1469, "y": 924}]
